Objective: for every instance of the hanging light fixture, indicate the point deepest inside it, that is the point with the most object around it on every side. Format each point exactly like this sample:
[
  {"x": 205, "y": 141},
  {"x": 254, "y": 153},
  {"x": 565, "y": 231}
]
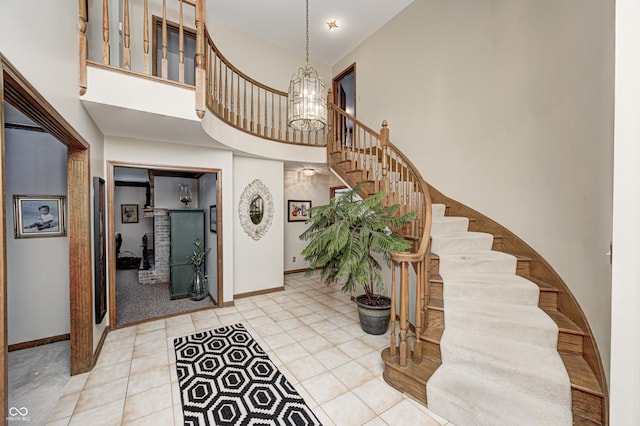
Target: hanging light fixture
[{"x": 307, "y": 95}]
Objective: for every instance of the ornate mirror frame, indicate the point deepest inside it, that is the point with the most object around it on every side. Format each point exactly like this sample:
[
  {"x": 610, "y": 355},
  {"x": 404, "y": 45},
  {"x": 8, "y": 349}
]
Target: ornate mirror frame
[{"x": 255, "y": 231}]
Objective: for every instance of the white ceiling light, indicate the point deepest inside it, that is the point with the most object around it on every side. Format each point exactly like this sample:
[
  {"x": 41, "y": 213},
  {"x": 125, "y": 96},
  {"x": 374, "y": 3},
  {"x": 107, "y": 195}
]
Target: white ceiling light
[
  {"x": 307, "y": 95},
  {"x": 308, "y": 172}
]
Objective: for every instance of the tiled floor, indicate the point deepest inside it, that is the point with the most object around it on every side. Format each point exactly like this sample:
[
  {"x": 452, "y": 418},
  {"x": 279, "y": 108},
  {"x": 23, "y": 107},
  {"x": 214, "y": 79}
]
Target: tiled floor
[{"x": 309, "y": 331}]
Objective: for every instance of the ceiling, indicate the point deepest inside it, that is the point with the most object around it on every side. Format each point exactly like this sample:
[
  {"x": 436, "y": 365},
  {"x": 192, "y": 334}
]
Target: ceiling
[{"x": 282, "y": 22}]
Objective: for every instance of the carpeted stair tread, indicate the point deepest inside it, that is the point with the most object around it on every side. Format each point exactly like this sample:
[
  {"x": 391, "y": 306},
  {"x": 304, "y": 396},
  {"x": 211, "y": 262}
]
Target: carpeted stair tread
[
  {"x": 477, "y": 261},
  {"x": 498, "y": 288},
  {"x": 449, "y": 224},
  {"x": 531, "y": 369},
  {"x": 438, "y": 210},
  {"x": 461, "y": 241},
  {"x": 521, "y": 323},
  {"x": 471, "y": 400}
]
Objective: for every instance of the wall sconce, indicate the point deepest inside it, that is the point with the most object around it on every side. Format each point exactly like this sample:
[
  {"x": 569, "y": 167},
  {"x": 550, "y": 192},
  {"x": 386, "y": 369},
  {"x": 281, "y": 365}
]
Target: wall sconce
[
  {"x": 308, "y": 172},
  {"x": 185, "y": 194}
]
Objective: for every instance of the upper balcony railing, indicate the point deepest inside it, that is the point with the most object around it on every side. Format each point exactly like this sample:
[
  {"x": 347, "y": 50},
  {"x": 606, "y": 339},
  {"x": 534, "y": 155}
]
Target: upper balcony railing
[{"x": 158, "y": 39}]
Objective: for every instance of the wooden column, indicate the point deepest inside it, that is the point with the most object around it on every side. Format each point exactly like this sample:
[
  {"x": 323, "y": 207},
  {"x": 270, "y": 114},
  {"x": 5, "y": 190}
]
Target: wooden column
[
  {"x": 3, "y": 259},
  {"x": 181, "y": 47},
  {"x": 126, "y": 52},
  {"x": 393, "y": 348},
  {"x": 405, "y": 346},
  {"x": 145, "y": 43},
  {"x": 164, "y": 72},
  {"x": 105, "y": 32},
  {"x": 82, "y": 45},
  {"x": 201, "y": 72},
  {"x": 80, "y": 253}
]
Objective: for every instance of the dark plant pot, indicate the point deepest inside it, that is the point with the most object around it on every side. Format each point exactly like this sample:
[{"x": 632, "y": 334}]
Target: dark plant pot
[{"x": 373, "y": 319}]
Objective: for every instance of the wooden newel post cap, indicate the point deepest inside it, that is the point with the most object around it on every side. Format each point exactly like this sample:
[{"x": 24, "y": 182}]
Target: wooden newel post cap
[{"x": 384, "y": 132}]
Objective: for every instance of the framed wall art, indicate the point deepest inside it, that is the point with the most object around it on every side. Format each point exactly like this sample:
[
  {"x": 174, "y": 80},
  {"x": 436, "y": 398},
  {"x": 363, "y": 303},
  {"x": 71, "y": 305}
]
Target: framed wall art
[
  {"x": 39, "y": 216},
  {"x": 298, "y": 210},
  {"x": 213, "y": 218},
  {"x": 129, "y": 213},
  {"x": 99, "y": 250}
]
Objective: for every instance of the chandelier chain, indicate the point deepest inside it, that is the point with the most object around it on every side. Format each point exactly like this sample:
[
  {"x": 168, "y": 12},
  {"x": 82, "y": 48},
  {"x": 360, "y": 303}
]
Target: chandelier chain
[{"x": 307, "y": 32}]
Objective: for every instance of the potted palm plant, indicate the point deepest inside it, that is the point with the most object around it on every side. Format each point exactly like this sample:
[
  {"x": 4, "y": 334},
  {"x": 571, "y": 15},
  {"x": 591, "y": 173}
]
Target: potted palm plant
[{"x": 344, "y": 237}]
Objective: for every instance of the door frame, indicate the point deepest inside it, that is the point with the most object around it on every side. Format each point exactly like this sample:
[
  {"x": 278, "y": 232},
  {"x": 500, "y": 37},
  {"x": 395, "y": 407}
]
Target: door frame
[
  {"x": 111, "y": 220},
  {"x": 336, "y": 81},
  {"x": 17, "y": 91}
]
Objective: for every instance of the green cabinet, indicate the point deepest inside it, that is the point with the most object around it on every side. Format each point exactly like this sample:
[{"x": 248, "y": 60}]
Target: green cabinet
[{"x": 186, "y": 227}]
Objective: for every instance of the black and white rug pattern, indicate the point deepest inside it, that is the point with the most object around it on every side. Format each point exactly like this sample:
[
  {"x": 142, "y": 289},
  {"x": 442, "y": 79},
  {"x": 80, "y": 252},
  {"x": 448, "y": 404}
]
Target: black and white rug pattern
[{"x": 227, "y": 379}]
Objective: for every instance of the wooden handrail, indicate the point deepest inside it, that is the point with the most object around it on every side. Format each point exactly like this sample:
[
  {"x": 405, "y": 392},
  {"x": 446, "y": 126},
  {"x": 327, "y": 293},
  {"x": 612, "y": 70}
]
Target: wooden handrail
[{"x": 355, "y": 152}]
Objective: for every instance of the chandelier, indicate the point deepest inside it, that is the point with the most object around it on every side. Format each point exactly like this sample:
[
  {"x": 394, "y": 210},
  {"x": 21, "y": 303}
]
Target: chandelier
[{"x": 307, "y": 95}]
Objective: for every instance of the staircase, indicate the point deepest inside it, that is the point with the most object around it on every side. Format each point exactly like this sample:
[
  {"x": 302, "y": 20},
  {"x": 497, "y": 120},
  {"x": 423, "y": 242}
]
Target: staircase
[{"x": 499, "y": 338}]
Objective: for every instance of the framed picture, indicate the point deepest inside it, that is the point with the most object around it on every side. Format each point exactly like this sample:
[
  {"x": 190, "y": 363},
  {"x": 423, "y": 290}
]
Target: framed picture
[
  {"x": 129, "y": 213},
  {"x": 99, "y": 250},
  {"x": 39, "y": 216},
  {"x": 298, "y": 210},
  {"x": 213, "y": 218}
]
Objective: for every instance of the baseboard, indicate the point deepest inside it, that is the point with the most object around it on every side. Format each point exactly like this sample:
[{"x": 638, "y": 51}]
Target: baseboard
[
  {"x": 96, "y": 354},
  {"x": 296, "y": 271},
  {"x": 227, "y": 304},
  {"x": 38, "y": 342},
  {"x": 258, "y": 292}
]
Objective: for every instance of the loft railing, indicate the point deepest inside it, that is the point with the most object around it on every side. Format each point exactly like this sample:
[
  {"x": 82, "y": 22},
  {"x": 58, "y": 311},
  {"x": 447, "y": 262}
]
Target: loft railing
[
  {"x": 248, "y": 105},
  {"x": 168, "y": 48},
  {"x": 356, "y": 153}
]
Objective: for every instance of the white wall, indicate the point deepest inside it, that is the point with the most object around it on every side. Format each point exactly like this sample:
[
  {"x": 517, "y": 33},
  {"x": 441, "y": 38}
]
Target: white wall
[
  {"x": 258, "y": 264},
  {"x": 300, "y": 187},
  {"x": 208, "y": 197},
  {"x": 132, "y": 233},
  {"x": 625, "y": 319},
  {"x": 37, "y": 268},
  {"x": 507, "y": 106},
  {"x": 159, "y": 154}
]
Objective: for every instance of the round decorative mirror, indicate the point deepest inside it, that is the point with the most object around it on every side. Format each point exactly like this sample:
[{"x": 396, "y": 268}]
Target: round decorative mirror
[{"x": 256, "y": 209}]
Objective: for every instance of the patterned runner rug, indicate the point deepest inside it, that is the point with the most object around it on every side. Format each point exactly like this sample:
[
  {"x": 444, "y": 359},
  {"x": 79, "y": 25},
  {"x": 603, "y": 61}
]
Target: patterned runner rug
[{"x": 227, "y": 379}]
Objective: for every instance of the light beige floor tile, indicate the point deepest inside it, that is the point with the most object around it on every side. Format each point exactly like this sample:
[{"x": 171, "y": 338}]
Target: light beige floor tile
[
  {"x": 352, "y": 374},
  {"x": 178, "y": 415},
  {"x": 278, "y": 340},
  {"x": 354, "y": 329},
  {"x": 372, "y": 362},
  {"x": 183, "y": 329},
  {"x": 148, "y": 379},
  {"x": 150, "y": 362},
  {"x": 262, "y": 321},
  {"x": 147, "y": 402},
  {"x": 291, "y": 352},
  {"x": 406, "y": 413},
  {"x": 324, "y": 387},
  {"x": 324, "y": 327},
  {"x": 378, "y": 395},
  {"x": 150, "y": 348},
  {"x": 252, "y": 313},
  {"x": 61, "y": 422},
  {"x": 203, "y": 315},
  {"x": 105, "y": 415},
  {"x": 348, "y": 410},
  {"x": 150, "y": 336},
  {"x": 338, "y": 336},
  {"x": 322, "y": 417},
  {"x": 101, "y": 395},
  {"x": 268, "y": 329},
  {"x": 316, "y": 344},
  {"x": 120, "y": 333},
  {"x": 377, "y": 421},
  {"x": 302, "y": 333},
  {"x": 230, "y": 319},
  {"x": 290, "y": 324},
  {"x": 355, "y": 348},
  {"x": 305, "y": 368},
  {"x": 102, "y": 376},
  {"x": 75, "y": 384},
  {"x": 226, "y": 311},
  {"x": 310, "y": 319},
  {"x": 150, "y": 326},
  {"x": 116, "y": 345},
  {"x": 433, "y": 415},
  {"x": 115, "y": 357},
  {"x": 279, "y": 316},
  {"x": 64, "y": 407},
  {"x": 210, "y": 323},
  {"x": 177, "y": 320},
  {"x": 332, "y": 358},
  {"x": 159, "y": 418}
]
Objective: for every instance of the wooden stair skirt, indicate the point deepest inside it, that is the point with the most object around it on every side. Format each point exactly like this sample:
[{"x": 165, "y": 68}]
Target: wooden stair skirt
[{"x": 588, "y": 401}]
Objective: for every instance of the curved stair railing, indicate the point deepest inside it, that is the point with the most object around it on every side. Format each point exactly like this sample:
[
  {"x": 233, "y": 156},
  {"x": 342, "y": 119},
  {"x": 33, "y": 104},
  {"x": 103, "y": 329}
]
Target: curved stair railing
[{"x": 357, "y": 153}]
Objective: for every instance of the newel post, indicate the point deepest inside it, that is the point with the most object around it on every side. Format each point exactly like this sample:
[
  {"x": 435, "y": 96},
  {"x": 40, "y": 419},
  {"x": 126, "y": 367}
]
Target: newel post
[
  {"x": 201, "y": 72},
  {"x": 82, "y": 45},
  {"x": 330, "y": 119},
  {"x": 384, "y": 142}
]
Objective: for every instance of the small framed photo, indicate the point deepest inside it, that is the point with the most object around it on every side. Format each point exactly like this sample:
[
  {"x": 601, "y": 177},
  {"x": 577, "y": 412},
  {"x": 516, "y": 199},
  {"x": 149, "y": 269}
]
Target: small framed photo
[
  {"x": 129, "y": 213},
  {"x": 213, "y": 218},
  {"x": 298, "y": 210},
  {"x": 39, "y": 216}
]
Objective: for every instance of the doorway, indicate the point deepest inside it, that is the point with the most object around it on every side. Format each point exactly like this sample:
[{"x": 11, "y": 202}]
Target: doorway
[
  {"x": 141, "y": 246},
  {"x": 19, "y": 93},
  {"x": 344, "y": 90}
]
